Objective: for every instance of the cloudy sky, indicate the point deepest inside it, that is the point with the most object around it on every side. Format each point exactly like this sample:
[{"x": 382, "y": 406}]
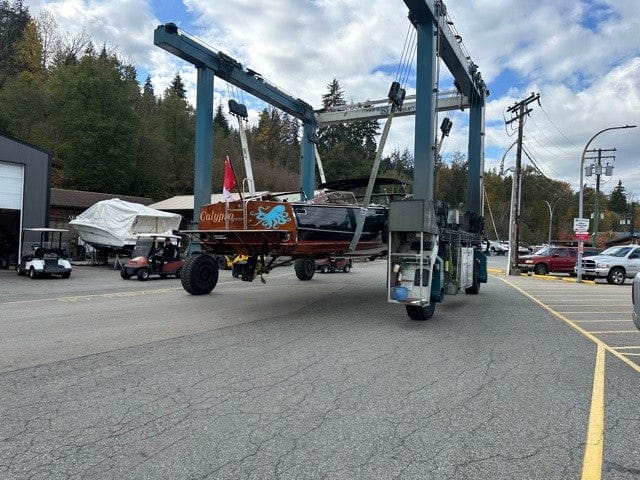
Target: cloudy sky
[{"x": 582, "y": 57}]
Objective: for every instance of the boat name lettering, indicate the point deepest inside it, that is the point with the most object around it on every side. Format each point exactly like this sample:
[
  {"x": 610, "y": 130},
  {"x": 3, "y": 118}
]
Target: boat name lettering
[{"x": 215, "y": 217}]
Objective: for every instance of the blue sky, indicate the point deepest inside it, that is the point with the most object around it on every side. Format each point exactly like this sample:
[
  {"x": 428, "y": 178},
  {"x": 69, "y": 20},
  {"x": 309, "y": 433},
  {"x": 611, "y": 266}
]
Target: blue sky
[{"x": 582, "y": 57}]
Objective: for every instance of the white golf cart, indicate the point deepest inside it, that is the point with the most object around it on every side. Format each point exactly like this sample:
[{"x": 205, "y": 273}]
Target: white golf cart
[{"x": 45, "y": 256}]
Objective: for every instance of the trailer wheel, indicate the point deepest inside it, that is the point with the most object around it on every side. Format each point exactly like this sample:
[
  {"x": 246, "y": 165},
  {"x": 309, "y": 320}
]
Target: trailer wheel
[
  {"x": 305, "y": 268},
  {"x": 475, "y": 288},
  {"x": 222, "y": 262},
  {"x": 199, "y": 274},
  {"x": 421, "y": 313}
]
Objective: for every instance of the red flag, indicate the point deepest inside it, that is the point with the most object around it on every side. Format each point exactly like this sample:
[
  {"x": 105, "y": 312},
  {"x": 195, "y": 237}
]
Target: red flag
[{"x": 229, "y": 180}]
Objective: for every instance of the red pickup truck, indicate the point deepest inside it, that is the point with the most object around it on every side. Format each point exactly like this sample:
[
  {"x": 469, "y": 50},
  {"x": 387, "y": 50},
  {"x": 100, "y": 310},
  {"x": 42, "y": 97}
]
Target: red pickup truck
[{"x": 556, "y": 259}]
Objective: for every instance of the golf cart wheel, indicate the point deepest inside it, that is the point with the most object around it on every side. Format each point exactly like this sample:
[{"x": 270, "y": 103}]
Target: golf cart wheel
[
  {"x": 125, "y": 274},
  {"x": 65, "y": 275},
  {"x": 324, "y": 269},
  {"x": 222, "y": 262},
  {"x": 32, "y": 273},
  {"x": 178, "y": 272},
  {"x": 347, "y": 268},
  {"x": 143, "y": 274},
  {"x": 305, "y": 268},
  {"x": 20, "y": 271},
  {"x": 416, "y": 312},
  {"x": 200, "y": 274}
]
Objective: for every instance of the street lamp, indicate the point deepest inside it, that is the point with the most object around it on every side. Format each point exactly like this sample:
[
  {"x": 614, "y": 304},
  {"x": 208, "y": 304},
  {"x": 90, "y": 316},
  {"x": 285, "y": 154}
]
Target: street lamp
[
  {"x": 551, "y": 209},
  {"x": 580, "y": 201}
]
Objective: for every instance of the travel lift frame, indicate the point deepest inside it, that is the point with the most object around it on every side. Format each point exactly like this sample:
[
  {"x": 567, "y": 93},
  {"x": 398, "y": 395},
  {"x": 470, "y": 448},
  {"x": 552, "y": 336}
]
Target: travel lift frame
[{"x": 433, "y": 250}]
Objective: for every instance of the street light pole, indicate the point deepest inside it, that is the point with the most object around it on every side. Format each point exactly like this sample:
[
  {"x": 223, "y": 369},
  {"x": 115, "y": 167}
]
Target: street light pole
[
  {"x": 581, "y": 197},
  {"x": 550, "y": 220}
]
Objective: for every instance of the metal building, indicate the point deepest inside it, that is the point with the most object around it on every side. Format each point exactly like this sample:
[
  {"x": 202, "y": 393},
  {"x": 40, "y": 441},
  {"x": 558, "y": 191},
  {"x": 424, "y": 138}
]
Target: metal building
[{"x": 25, "y": 171}]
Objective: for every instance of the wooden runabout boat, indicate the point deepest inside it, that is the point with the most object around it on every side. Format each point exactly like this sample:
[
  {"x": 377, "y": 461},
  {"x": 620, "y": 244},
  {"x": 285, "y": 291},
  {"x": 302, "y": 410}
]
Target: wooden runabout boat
[{"x": 276, "y": 229}]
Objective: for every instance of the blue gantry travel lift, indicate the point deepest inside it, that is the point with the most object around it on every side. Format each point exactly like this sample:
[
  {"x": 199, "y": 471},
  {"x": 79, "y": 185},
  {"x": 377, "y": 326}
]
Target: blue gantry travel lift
[{"x": 434, "y": 250}]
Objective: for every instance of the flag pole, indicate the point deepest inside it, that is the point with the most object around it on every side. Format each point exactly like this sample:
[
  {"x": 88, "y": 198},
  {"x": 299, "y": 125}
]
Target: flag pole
[{"x": 234, "y": 176}]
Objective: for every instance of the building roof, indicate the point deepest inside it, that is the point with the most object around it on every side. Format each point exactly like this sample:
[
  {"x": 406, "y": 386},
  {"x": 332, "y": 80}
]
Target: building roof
[
  {"x": 185, "y": 202},
  {"x": 80, "y": 199}
]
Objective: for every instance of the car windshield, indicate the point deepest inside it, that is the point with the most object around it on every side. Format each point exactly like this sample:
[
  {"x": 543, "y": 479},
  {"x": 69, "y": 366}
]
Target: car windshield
[
  {"x": 543, "y": 251},
  {"x": 616, "y": 251}
]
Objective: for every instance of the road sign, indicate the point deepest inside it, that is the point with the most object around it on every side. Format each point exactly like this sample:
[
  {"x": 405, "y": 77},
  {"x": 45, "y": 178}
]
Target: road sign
[
  {"x": 580, "y": 224},
  {"x": 582, "y": 236}
]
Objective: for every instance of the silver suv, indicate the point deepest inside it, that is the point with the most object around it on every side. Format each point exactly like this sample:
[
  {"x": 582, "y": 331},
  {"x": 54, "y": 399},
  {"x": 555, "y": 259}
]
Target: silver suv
[{"x": 615, "y": 264}]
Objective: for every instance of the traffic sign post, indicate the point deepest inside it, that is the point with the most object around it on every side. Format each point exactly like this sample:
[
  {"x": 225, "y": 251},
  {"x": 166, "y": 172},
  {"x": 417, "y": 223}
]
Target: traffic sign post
[
  {"x": 580, "y": 224},
  {"x": 581, "y": 230}
]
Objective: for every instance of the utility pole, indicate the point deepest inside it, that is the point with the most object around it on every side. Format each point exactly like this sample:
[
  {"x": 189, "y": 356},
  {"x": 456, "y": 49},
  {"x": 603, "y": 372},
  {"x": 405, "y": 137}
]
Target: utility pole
[
  {"x": 519, "y": 111},
  {"x": 597, "y": 169}
]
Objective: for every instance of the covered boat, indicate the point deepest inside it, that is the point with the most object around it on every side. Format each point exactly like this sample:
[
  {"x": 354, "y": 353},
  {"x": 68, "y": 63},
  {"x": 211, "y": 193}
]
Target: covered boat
[{"x": 114, "y": 225}]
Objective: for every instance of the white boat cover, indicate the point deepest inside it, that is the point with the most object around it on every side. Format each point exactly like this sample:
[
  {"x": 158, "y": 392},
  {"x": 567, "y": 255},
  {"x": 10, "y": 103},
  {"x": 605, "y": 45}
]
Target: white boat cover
[{"x": 125, "y": 220}]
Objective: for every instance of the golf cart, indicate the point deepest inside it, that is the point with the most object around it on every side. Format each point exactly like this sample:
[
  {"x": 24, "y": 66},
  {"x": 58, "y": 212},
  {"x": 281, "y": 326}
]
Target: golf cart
[
  {"x": 146, "y": 261},
  {"x": 45, "y": 257}
]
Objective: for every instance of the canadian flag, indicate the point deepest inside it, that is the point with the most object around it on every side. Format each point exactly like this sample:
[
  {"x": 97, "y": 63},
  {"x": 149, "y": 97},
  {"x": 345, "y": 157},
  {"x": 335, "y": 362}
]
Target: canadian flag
[{"x": 229, "y": 180}]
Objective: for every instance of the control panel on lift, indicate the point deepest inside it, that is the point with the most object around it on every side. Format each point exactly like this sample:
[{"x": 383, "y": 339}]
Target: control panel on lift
[{"x": 415, "y": 272}]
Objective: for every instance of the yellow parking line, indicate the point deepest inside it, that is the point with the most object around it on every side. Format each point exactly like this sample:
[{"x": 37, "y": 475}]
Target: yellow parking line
[
  {"x": 592, "y": 462},
  {"x": 597, "y": 321},
  {"x": 600, "y": 332}
]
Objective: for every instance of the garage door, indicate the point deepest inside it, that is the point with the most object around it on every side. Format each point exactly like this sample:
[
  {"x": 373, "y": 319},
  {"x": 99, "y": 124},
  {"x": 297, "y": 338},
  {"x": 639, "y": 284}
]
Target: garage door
[{"x": 11, "y": 181}]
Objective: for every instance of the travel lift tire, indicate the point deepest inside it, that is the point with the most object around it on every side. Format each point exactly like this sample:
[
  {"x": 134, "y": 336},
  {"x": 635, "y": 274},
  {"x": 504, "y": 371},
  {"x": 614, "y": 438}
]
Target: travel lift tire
[
  {"x": 416, "y": 312},
  {"x": 305, "y": 268},
  {"x": 199, "y": 274}
]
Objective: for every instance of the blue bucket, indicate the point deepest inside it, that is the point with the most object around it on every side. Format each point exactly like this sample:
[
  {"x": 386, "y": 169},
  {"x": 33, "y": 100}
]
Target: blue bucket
[{"x": 400, "y": 293}]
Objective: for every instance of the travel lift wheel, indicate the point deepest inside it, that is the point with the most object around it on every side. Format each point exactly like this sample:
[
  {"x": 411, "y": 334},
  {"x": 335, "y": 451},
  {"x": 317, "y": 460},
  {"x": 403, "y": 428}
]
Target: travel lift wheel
[
  {"x": 305, "y": 268},
  {"x": 199, "y": 274},
  {"x": 421, "y": 313}
]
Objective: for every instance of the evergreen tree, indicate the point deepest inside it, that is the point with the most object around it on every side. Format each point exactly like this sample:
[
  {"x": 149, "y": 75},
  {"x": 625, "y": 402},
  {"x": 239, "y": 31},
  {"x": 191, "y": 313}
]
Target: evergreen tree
[
  {"x": 220, "y": 123},
  {"x": 618, "y": 199},
  {"x": 177, "y": 87},
  {"x": 178, "y": 132},
  {"x": 14, "y": 18},
  {"x": 95, "y": 123}
]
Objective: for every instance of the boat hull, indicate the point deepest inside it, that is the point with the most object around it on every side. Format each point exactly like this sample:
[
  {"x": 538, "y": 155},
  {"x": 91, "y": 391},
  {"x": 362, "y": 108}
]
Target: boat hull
[
  {"x": 103, "y": 240},
  {"x": 290, "y": 229}
]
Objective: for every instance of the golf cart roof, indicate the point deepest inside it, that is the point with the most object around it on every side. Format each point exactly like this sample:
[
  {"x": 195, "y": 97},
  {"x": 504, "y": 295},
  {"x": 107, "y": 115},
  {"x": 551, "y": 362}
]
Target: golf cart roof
[{"x": 43, "y": 229}]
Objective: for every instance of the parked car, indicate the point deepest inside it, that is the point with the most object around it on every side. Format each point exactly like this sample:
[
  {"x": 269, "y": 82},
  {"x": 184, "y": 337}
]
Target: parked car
[
  {"x": 334, "y": 264},
  {"x": 144, "y": 260},
  {"x": 556, "y": 259},
  {"x": 46, "y": 257},
  {"x": 615, "y": 264},
  {"x": 635, "y": 299}
]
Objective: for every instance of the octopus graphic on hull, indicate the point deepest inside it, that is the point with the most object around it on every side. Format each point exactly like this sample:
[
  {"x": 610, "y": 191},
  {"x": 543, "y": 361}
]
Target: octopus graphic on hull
[{"x": 272, "y": 218}]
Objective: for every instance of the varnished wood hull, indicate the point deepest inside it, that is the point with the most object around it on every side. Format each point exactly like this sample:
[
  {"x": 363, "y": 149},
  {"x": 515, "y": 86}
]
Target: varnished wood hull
[{"x": 290, "y": 229}]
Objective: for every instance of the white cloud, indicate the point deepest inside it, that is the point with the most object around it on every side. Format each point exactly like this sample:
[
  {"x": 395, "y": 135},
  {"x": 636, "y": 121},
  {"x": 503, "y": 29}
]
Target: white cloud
[{"x": 583, "y": 57}]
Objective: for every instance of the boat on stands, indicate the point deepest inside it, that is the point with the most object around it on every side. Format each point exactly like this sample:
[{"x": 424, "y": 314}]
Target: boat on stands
[{"x": 113, "y": 226}]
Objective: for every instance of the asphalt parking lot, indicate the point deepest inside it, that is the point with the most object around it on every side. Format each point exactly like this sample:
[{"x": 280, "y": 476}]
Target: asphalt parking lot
[{"x": 106, "y": 378}]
